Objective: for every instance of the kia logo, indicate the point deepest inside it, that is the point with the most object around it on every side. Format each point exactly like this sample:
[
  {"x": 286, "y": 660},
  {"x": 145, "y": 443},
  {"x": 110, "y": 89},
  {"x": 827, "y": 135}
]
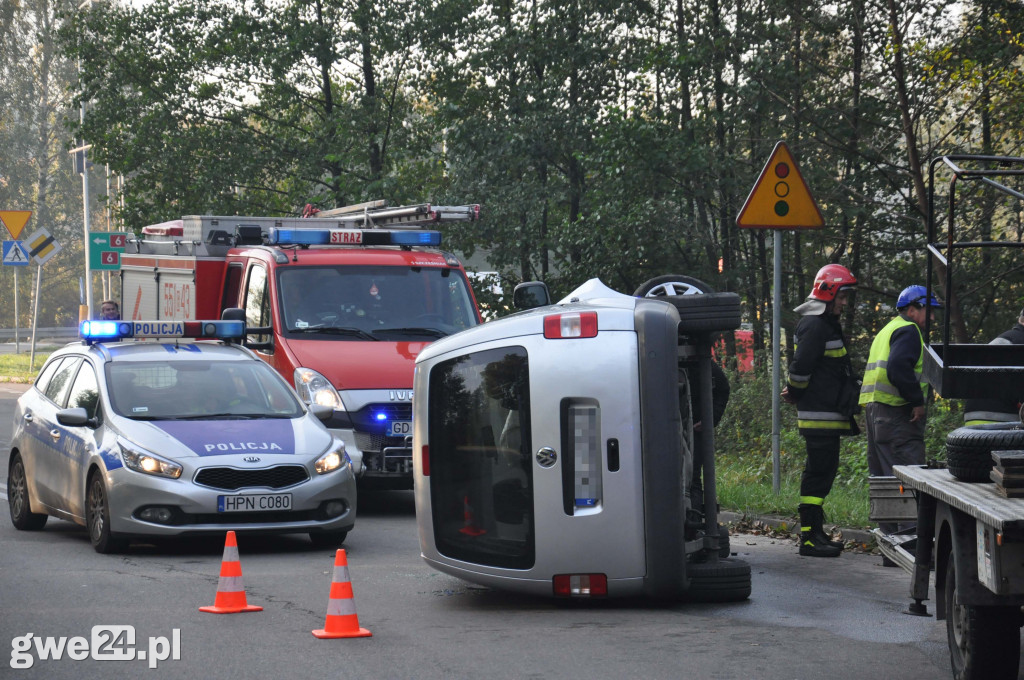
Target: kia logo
[{"x": 251, "y": 459}]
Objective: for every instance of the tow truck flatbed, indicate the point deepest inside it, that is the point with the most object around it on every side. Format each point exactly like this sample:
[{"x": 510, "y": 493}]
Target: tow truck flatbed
[{"x": 980, "y": 501}]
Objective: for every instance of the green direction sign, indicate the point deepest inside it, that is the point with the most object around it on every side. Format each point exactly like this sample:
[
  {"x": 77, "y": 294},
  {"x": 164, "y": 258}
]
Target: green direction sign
[{"x": 105, "y": 248}]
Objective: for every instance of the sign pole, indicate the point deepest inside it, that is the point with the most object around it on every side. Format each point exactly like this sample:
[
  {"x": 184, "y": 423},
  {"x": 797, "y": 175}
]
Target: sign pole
[
  {"x": 779, "y": 200},
  {"x": 17, "y": 340},
  {"x": 35, "y": 319},
  {"x": 776, "y": 361}
]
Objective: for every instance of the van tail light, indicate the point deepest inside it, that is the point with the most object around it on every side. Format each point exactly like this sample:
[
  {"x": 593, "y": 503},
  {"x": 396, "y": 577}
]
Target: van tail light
[
  {"x": 580, "y": 585},
  {"x": 425, "y": 460},
  {"x": 570, "y": 325}
]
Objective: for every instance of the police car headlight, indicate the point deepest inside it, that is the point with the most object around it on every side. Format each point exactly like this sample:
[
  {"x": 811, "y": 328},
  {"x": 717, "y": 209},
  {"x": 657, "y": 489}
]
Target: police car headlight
[
  {"x": 313, "y": 388},
  {"x": 146, "y": 462},
  {"x": 333, "y": 459}
]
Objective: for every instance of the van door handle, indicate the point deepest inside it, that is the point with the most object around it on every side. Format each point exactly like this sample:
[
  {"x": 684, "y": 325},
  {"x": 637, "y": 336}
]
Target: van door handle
[
  {"x": 54, "y": 434},
  {"x": 28, "y": 417}
]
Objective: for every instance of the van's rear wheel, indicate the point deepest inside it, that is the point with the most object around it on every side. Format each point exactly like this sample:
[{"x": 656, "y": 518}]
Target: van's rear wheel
[
  {"x": 721, "y": 581},
  {"x": 984, "y": 642}
]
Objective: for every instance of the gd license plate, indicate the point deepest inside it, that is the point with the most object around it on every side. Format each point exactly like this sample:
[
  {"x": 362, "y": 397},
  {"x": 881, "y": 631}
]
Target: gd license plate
[
  {"x": 400, "y": 428},
  {"x": 261, "y": 502}
]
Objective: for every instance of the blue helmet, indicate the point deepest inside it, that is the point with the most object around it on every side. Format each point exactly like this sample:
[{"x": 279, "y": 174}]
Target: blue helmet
[{"x": 916, "y": 295}]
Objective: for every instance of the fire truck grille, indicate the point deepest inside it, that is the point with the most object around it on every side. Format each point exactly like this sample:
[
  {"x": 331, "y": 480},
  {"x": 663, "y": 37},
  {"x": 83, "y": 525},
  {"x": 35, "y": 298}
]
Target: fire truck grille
[{"x": 232, "y": 479}]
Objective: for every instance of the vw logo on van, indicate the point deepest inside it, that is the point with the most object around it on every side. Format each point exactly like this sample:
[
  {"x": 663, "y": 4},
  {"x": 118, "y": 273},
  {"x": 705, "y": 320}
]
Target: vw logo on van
[
  {"x": 546, "y": 457},
  {"x": 251, "y": 459}
]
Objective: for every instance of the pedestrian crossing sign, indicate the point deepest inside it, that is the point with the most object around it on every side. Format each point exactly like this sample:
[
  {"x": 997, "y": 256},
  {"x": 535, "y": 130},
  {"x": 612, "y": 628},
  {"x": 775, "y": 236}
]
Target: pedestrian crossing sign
[{"x": 15, "y": 254}]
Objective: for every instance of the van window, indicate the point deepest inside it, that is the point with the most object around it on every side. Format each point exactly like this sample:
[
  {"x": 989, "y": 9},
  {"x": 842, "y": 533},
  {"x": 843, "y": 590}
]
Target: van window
[
  {"x": 481, "y": 476},
  {"x": 257, "y": 302}
]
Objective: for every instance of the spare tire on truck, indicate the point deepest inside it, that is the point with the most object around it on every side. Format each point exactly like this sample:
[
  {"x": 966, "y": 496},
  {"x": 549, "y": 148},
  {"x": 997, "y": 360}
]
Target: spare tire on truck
[{"x": 969, "y": 448}]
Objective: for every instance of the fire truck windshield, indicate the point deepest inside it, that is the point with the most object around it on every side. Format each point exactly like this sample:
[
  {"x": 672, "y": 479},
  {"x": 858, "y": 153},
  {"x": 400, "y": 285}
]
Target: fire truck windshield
[{"x": 352, "y": 302}]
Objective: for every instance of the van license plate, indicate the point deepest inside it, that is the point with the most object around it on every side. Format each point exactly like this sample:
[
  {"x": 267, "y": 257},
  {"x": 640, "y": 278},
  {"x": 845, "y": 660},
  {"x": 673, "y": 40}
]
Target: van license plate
[
  {"x": 400, "y": 428},
  {"x": 262, "y": 502}
]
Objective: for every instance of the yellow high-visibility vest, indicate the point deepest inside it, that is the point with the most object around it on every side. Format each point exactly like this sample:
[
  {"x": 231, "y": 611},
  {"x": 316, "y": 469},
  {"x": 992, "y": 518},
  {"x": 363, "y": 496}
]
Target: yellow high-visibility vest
[{"x": 876, "y": 385}]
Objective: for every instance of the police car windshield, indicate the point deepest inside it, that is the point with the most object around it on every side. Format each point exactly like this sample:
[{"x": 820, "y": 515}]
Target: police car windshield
[
  {"x": 198, "y": 389},
  {"x": 370, "y": 302}
]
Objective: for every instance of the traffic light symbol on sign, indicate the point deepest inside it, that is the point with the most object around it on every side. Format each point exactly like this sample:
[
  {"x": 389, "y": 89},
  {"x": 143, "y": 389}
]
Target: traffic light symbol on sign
[{"x": 780, "y": 199}]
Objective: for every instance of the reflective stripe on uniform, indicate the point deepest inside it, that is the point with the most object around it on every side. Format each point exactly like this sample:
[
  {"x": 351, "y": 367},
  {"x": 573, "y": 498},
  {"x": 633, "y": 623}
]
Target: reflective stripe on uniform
[
  {"x": 811, "y": 500},
  {"x": 835, "y": 348}
]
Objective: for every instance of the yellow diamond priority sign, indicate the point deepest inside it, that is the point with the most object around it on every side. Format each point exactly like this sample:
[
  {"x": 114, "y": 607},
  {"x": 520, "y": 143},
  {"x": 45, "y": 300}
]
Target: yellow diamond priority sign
[
  {"x": 15, "y": 221},
  {"x": 780, "y": 199}
]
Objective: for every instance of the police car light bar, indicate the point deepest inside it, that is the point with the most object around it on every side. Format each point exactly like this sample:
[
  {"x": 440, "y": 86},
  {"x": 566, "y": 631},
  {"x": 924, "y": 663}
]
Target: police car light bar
[
  {"x": 98, "y": 331},
  {"x": 352, "y": 237}
]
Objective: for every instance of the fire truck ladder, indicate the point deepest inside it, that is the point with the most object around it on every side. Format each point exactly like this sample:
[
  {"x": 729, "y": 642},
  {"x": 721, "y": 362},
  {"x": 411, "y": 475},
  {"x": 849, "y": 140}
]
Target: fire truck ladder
[{"x": 378, "y": 214}]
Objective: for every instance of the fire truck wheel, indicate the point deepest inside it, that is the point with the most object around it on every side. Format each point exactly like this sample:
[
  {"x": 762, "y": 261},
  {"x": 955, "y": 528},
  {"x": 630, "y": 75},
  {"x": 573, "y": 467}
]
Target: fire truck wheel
[
  {"x": 722, "y": 581},
  {"x": 969, "y": 448},
  {"x": 671, "y": 285},
  {"x": 327, "y": 539},
  {"x": 984, "y": 642}
]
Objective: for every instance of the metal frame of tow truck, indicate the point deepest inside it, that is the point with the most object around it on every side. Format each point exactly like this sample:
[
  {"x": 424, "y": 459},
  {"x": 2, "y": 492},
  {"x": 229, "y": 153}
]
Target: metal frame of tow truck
[{"x": 949, "y": 512}]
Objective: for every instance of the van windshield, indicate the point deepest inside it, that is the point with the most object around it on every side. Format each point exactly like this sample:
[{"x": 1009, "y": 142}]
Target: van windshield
[{"x": 351, "y": 302}]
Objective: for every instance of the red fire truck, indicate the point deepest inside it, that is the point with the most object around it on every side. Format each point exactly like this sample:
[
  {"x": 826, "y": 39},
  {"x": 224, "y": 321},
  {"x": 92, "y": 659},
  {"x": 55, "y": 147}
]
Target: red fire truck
[{"x": 340, "y": 304}]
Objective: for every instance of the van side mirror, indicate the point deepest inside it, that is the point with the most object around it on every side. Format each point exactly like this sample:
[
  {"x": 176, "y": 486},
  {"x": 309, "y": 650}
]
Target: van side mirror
[{"x": 531, "y": 294}]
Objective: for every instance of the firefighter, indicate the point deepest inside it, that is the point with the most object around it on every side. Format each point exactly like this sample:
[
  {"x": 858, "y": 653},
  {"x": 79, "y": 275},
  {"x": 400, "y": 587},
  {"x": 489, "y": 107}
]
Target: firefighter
[
  {"x": 981, "y": 411},
  {"x": 893, "y": 394},
  {"x": 822, "y": 386}
]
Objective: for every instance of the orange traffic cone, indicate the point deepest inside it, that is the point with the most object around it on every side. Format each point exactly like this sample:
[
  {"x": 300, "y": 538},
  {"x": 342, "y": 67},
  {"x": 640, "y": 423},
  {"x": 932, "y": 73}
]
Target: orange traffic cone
[
  {"x": 469, "y": 526},
  {"x": 230, "y": 591},
  {"x": 342, "y": 621}
]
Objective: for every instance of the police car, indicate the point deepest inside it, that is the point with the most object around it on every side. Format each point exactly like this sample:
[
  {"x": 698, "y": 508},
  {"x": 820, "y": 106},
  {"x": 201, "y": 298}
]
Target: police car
[{"x": 171, "y": 436}]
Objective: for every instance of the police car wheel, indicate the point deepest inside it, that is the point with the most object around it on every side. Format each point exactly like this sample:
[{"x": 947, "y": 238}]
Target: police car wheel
[
  {"x": 969, "y": 448},
  {"x": 984, "y": 642},
  {"x": 722, "y": 581},
  {"x": 671, "y": 285},
  {"x": 327, "y": 539},
  {"x": 22, "y": 516},
  {"x": 97, "y": 518}
]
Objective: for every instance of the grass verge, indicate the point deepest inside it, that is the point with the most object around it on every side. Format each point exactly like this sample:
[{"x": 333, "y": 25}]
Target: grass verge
[{"x": 15, "y": 367}]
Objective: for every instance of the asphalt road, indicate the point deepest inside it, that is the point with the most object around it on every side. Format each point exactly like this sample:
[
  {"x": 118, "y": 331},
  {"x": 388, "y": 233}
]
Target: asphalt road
[{"x": 807, "y": 618}]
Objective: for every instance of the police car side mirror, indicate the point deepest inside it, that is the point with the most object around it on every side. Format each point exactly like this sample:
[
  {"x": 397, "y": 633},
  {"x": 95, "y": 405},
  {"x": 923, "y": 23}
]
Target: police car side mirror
[
  {"x": 531, "y": 294},
  {"x": 323, "y": 413},
  {"x": 75, "y": 417}
]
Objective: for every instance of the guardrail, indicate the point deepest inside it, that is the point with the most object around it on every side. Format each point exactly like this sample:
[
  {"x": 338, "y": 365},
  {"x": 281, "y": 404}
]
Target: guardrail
[{"x": 25, "y": 334}]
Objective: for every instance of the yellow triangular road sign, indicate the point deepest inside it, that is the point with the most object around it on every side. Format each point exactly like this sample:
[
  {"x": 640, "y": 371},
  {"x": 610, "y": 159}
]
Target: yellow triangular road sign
[
  {"x": 15, "y": 220},
  {"x": 780, "y": 198}
]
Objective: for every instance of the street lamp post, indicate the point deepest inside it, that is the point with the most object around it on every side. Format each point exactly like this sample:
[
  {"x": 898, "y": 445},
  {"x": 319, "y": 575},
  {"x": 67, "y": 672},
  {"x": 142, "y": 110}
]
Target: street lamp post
[{"x": 85, "y": 310}]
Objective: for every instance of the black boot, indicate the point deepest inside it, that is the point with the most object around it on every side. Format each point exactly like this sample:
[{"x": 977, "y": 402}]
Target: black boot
[
  {"x": 810, "y": 545},
  {"x": 818, "y": 529}
]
